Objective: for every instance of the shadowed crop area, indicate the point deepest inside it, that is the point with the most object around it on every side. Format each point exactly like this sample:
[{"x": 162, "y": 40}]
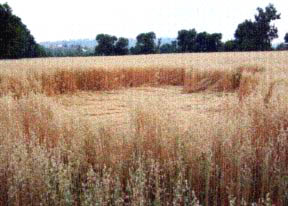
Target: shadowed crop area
[{"x": 178, "y": 129}]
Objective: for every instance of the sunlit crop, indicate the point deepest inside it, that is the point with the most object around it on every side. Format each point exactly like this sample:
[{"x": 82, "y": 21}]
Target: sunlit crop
[{"x": 238, "y": 156}]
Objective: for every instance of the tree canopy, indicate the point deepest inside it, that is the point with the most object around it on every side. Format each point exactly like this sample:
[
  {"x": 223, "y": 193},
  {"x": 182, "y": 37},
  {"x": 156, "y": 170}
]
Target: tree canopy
[
  {"x": 257, "y": 35},
  {"x": 191, "y": 41},
  {"x": 121, "y": 46},
  {"x": 206, "y": 42},
  {"x": 106, "y": 45},
  {"x": 230, "y": 45},
  {"x": 16, "y": 40},
  {"x": 250, "y": 35},
  {"x": 286, "y": 38},
  {"x": 109, "y": 45},
  {"x": 145, "y": 44},
  {"x": 169, "y": 48},
  {"x": 186, "y": 40}
]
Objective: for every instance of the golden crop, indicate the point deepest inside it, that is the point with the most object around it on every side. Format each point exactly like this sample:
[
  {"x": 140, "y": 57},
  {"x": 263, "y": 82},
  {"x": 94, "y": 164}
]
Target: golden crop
[{"x": 233, "y": 153}]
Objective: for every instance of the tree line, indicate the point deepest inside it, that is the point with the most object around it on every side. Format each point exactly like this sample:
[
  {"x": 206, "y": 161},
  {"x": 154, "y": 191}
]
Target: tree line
[
  {"x": 250, "y": 35},
  {"x": 16, "y": 40}
]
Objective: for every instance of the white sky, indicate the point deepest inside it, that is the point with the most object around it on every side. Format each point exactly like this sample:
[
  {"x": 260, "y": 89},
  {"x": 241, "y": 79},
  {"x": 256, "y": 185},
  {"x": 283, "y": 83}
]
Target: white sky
[{"x": 63, "y": 20}]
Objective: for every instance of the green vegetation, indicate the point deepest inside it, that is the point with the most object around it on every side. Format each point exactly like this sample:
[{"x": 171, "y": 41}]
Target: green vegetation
[
  {"x": 249, "y": 36},
  {"x": 191, "y": 41},
  {"x": 106, "y": 44},
  {"x": 145, "y": 44},
  {"x": 257, "y": 35},
  {"x": 230, "y": 45},
  {"x": 186, "y": 40},
  {"x": 109, "y": 45},
  {"x": 15, "y": 39},
  {"x": 169, "y": 48},
  {"x": 121, "y": 46},
  {"x": 69, "y": 51},
  {"x": 17, "y": 42}
]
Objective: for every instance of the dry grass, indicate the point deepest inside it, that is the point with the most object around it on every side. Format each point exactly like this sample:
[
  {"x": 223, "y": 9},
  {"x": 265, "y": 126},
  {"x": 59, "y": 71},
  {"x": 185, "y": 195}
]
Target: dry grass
[
  {"x": 211, "y": 80},
  {"x": 62, "y": 159},
  {"x": 242, "y": 79},
  {"x": 216, "y": 72},
  {"x": 64, "y": 81},
  {"x": 239, "y": 156}
]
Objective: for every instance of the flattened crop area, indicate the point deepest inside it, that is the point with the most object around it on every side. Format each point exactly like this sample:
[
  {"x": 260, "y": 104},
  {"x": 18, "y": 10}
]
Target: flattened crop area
[{"x": 115, "y": 108}]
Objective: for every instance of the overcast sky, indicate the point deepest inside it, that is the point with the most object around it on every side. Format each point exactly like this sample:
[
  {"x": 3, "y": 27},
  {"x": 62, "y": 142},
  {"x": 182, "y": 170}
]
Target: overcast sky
[{"x": 63, "y": 20}]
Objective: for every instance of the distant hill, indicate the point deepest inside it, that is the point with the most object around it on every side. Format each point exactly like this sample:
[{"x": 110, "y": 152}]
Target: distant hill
[{"x": 90, "y": 43}]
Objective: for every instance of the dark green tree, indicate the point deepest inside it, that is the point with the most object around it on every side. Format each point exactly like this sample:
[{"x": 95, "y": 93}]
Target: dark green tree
[
  {"x": 257, "y": 35},
  {"x": 206, "y": 42},
  {"x": 266, "y": 31},
  {"x": 169, "y": 48},
  {"x": 186, "y": 40},
  {"x": 286, "y": 38},
  {"x": 106, "y": 45},
  {"x": 15, "y": 39},
  {"x": 121, "y": 46},
  {"x": 201, "y": 42},
  {"x": 145, "y": 44},
  {"x": 134, "y": 50},
  {"x": 230, "y": 45},
  {"x": 191, "y": 41},
  {"x": 245, "y": 36},
  {"x": 281, "y": 46},
  {"x": 214, "y": 42},
  {"x": 158, "y": 46}
]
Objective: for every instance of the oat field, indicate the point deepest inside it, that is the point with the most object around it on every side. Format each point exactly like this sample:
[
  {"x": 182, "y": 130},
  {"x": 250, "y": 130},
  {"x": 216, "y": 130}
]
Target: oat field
[{"x": 177, "y": 129}]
